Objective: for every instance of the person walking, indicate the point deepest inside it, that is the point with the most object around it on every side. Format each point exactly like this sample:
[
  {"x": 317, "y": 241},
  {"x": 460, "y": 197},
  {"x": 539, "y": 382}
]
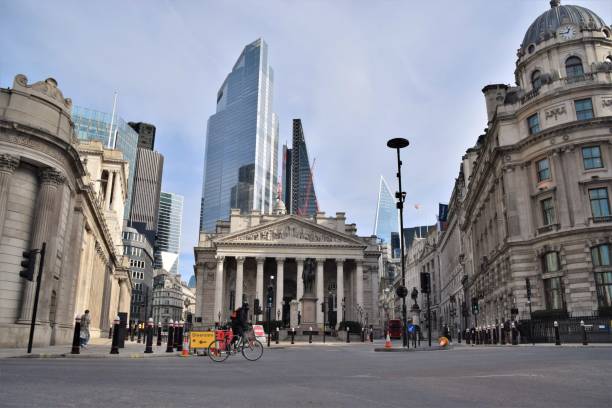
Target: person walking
[{"x": 84, "y": 335}]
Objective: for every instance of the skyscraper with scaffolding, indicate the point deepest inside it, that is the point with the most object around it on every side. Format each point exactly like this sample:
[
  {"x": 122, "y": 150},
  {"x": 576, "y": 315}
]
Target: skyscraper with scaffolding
[{"x": 298, "y": 184}]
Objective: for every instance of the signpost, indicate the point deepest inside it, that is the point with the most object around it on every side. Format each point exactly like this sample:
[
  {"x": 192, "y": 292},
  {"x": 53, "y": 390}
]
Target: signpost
[{"x": 201, "y": 339}]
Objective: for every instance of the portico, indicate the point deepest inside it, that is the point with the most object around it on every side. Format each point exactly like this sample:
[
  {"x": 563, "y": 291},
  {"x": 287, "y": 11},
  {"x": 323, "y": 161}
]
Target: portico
[{"x": 302, "y": 260}]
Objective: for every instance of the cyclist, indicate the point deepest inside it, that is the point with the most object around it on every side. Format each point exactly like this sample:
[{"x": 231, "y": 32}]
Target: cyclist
[{"x": 239, "y": 322}]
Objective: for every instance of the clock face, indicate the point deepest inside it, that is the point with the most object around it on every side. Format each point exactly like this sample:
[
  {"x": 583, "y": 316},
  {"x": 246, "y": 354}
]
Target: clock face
[{"x": 567, "y": 32}]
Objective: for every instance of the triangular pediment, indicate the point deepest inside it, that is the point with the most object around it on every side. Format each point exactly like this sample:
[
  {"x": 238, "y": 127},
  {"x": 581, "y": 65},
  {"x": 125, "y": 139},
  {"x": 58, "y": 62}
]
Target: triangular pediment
[{"x": 290, "y": 229}]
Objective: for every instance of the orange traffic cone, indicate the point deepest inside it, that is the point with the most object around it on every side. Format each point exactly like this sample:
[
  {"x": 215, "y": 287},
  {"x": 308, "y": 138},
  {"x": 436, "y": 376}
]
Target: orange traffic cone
[
  {"x": 388, "y": 342},
  {"x": 185, "y": 352}
]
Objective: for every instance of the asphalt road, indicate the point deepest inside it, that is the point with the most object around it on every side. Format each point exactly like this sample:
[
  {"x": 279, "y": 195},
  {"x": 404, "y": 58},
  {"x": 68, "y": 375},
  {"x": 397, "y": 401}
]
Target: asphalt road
[{"x": 338, "y": 376}]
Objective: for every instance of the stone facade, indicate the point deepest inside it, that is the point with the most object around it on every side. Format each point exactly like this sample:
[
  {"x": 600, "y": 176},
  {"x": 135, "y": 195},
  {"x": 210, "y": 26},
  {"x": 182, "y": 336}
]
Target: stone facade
[
  {"x": 172, "y": 299},
  {"x": 306, "y": 260},
  {"x": 49, "y": 195}
]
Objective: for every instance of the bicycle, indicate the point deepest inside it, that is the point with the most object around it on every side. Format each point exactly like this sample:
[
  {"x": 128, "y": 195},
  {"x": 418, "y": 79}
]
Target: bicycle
[{"x": 247, "y": 344}]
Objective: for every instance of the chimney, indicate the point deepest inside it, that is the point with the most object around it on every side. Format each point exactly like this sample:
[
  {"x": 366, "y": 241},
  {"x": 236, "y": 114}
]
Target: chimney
[{"x": 494, "y": 96}]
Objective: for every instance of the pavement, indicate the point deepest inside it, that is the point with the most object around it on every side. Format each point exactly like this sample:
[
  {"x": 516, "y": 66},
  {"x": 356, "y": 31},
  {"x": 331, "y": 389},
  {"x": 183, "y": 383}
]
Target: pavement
[{"x": 330, "y": 375}]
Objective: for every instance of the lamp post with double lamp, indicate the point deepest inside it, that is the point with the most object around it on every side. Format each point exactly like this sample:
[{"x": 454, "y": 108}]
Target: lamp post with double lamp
[{"x": 398, "y": 144}]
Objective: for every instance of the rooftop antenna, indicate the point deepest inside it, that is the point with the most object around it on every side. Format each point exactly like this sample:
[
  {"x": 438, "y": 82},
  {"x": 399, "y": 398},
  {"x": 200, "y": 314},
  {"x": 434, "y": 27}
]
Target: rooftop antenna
[{"x": 110, "y": 130}]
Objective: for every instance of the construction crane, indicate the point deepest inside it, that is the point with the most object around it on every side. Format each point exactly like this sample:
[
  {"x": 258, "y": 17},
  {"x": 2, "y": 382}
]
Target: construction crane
[{"x": 304, "y": 209}]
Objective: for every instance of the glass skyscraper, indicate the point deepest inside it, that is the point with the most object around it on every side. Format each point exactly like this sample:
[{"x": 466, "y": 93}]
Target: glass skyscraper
[
  {"x": 94, "y": 125},
  {"x": 387, "y": 218},
  {"x": 169, "y": 232},
  {"x": 241, "y": 152}
]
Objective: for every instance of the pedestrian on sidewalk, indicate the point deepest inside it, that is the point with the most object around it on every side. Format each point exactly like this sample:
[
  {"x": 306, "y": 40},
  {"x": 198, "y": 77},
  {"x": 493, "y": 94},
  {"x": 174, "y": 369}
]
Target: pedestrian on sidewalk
[{"x": 84, "y": 335}]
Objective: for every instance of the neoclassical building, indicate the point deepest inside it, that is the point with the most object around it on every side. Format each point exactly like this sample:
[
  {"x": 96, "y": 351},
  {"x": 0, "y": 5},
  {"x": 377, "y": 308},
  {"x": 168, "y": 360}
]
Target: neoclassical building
[
  {"x": 533, "y": 197},
  {"x": 69, "y": 196},
  {"x": 308, "y": 261}
]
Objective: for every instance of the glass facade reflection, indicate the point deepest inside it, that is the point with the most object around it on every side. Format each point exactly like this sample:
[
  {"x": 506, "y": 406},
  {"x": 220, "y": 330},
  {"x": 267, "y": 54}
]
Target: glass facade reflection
[
  {"x": 169, "y": 232},
  {"x": 94, "y": 125},
  {"x": 387, "y": 218},
  {"x": 241, "y": 152}
]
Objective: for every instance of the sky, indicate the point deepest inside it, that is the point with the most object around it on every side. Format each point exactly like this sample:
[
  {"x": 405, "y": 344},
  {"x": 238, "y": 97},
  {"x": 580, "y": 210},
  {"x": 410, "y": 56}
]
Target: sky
[{"x": 356, "y": 72}]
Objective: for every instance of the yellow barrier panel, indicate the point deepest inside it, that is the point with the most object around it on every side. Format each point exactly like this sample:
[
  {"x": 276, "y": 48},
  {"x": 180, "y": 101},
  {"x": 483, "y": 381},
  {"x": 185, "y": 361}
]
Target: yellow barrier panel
[{"x": 201, "y": 339}]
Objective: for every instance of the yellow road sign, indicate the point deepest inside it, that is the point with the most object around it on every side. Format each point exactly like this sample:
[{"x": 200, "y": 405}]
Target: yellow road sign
[{"x": 201, "y": 339}]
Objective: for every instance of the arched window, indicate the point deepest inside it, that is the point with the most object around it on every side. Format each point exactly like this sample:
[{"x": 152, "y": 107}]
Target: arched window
[
  {"x": 536, "y": 79},
  {"x": 573, "y": 67}
]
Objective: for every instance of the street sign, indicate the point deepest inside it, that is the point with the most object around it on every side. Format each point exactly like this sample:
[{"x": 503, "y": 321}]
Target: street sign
[
  {"x": 411, "y": 328},
  {"x": 201, "y": 339}
]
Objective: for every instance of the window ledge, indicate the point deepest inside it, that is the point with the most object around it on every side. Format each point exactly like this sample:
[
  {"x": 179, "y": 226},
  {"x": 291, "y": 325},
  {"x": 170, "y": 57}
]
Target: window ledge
[
  {"x": 599, "y": 220},
  {"x": 548, "y": 228}
]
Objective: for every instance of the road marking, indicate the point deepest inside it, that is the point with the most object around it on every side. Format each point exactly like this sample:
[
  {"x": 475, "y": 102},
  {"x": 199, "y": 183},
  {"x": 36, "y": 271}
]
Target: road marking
[{"x": 504, "y": 375}]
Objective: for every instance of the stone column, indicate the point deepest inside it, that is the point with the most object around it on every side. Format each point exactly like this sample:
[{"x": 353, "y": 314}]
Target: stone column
[
  {"x": 300, "y": 282},
  {"x": 116, "y": 191},
  {"x": 109, "y": 189},
  {"x": 8, "y": 165},
  {"x": 50, "y": 179},
  {"x": 259, "y": 282},
  {"x": 339, "y": 288},
  {"x": 359, "y": 283},
  {"x": 124, "y": 296},
  {"x": 239, "y": 279},
  {"x": 218, "y": 288},
  {"x": 280, "y": 276},
  {"x": 320, "y": 294}
]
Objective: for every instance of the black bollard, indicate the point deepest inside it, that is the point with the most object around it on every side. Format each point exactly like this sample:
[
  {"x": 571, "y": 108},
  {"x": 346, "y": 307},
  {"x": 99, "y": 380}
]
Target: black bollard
[
  {"x": 159, "y": 334},
  {"x": 310, "y": 336},
  {"x": 179, "y": 336},
  {"x": 502, "y": 334},
  {"x": 139, "y": 333},
  {"x": 459, "y": 332},
  {"x": 149, "y": 345},
  {"x": 557, "y": 338},
  {"x": 170, "y": 337},
  {"x": 115, "y": 343},
  {"x": 585, "y": 341},
  {"x": 133, "y": 332},
  {"x": 175, "y": 340},
  {"x": 277, "y": 334},
  {"x": 514, "y": 334},
  {"x": 292, "y": 335},
  {"x": 348, "y": 335},
  {"x": 371, "y": 335},
  {"x": 467, "y": 336},
  {"x": 76, "y": 338}
]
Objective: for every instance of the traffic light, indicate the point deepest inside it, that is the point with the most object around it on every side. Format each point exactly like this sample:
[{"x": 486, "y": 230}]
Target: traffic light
[
  {"x": 528, "y": 284},
  {"x": 28, "y": 263},
  {"x": 270, "y": 295},
  {"x": 475, "y": 308},
  {"x": 257, "y": 307},
  {"x": 425, "y": 284}
]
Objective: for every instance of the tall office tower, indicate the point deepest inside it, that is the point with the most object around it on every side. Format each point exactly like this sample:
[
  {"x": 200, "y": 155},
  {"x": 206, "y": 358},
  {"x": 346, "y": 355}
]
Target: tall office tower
[
  {"x": 169, "y": 232},
  {"x": 387, "y": 218},
  {"x": 93, "y": 125},
  {"x": 241, "y": 156},
  {"x": 298, "y": 185},
  {"x": 146, "y": 193},
  {"x": 146, "y": 134}
]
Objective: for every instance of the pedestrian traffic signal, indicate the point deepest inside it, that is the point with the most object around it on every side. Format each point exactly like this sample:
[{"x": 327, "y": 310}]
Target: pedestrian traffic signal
[
  {"x": 528, "y": 285},
  {"x": 270, "y": 295},
  {"x": 28, "y": 265},
  {"x": 257, "y": 307},
  {"x": 425, "y": 284},
  {"x": 475, "y": 308}
]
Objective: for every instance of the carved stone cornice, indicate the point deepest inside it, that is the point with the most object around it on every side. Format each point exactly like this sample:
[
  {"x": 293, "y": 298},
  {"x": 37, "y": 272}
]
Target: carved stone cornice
[
  {"x": 50, "y": 175},
  {"x": 240, "y": 259},
  {"x": 8, "y": 163}
]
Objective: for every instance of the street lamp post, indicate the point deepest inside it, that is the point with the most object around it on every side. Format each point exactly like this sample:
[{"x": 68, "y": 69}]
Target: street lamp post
[{"x": 402, "y": 292}]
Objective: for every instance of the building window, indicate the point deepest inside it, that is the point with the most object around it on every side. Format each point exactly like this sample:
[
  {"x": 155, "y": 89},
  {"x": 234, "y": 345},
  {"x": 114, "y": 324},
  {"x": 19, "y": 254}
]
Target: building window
[
  {"x": 601, "y": 255},
  {"x": 553, "y": 293},
  {"x": 591, "y": 156},
  {"x": 551, "y": 262},
  {"x": 536, "y": 79},
  {"x": 543, "y": 169},
  {"x": 573, "y": 67},
  {"x": 534, "y": 124},
  {"x": 603, "y": 283},
  {"x": 584, "y": 109},
  {"x": 600, "y": 206},
  {"x": 548, "y": 212}
]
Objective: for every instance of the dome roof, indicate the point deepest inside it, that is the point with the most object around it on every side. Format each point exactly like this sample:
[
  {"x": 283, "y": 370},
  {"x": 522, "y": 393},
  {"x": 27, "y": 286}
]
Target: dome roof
[{"x": 548, "y": 22}]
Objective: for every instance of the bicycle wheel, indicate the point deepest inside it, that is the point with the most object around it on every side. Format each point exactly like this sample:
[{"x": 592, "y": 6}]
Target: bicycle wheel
[
  {"x": 217, "y": 351},
  {"x": 252, "y": 350}
]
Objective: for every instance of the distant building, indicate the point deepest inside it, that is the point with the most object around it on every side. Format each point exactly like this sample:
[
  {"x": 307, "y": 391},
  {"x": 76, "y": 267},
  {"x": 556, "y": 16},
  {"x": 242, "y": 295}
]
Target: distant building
[
  {"x": 168, "y": 300},
  {"x": 387, "y": 217},
  {"x": 416, "y": 232},
  {"x": 139, "y": 252},
  {"x": 146, "y": 134},
  {"x": 241, "y": 153},
  {"x": 169, "y": 232},
  {"x": 94, "y": 125},
  {"x": 298, "y": 186}
]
